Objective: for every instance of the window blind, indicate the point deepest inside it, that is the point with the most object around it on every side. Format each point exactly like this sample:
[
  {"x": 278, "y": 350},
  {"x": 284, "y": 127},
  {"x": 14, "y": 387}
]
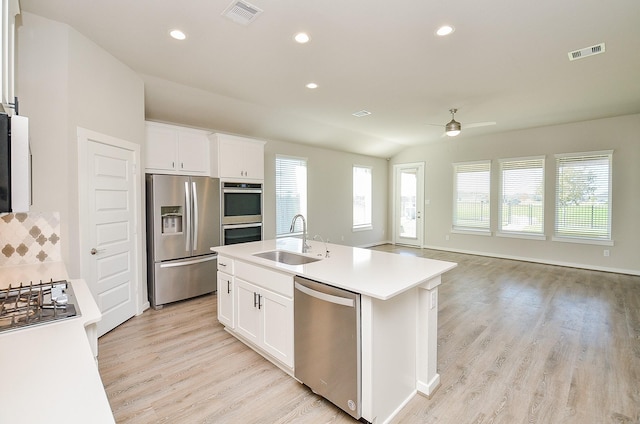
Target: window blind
[
  {"x": 471, "y": 209},
  {"x": 362, "y": 200},
  {"x": 521, "y": 207},
  {"x": 583, "y": 195},
  {"x": 291, "y": 192}
]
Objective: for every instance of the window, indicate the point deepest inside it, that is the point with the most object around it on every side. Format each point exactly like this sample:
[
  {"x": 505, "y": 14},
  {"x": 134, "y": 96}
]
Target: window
[
  {"x": 471, "y": 190},
  {"x": 522, "y": 196},
  {"x": 361, "y": 197},
  {"x": 291, "y": 192},
  {"x": 583, "y": 196}
]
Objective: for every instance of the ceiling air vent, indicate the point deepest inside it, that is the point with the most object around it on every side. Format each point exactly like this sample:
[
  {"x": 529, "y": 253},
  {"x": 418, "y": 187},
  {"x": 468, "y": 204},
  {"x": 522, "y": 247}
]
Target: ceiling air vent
[
  {"x": 587, "y": 51},
  {"x": 242, "y": 12},
  {"x": 361, "y": 113}
]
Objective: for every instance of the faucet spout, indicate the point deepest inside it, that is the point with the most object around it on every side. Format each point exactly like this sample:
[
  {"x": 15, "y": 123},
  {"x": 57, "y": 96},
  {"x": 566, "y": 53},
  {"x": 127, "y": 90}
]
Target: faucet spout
[{"x": 305, "y": 246}]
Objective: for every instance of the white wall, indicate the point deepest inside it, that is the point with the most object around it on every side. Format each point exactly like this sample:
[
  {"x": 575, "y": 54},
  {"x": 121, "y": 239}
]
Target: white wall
[
  {"x": 65, "y": 81},
  {"x": 329, "y": 185},
  {"x": 622, "y": 134}
]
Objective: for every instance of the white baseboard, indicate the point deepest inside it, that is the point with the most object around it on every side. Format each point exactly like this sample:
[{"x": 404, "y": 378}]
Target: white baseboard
[{"x": 537, "y": 260}]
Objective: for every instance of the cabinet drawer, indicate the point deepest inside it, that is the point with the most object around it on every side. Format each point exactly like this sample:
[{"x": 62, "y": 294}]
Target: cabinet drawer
[
  {"x": 225, "y": 264},
  {"x": 271, "y": 280}
]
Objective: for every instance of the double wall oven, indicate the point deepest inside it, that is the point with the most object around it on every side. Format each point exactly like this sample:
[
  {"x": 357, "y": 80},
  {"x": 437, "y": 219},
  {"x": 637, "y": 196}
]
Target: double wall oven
[{"x": 241, "y": 212}]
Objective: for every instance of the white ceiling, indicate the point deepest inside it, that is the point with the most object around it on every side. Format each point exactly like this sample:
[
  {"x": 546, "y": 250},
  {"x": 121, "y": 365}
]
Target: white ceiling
[{"x": 506, "y": 62}]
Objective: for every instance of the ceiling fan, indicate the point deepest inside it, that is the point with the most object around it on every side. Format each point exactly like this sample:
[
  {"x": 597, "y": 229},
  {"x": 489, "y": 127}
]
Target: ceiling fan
[{"x": 453, "y": 127}]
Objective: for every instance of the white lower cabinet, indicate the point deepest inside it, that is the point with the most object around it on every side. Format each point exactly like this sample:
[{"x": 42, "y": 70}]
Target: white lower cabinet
[
  {"x": 256, "y": 304},
  {"x": 266, "y": 319},
  {"x": 226, "y": 290}
]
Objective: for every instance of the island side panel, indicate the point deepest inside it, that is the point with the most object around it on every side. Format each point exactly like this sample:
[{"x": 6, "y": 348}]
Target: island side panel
[
  {"x": 428, "y": 378},
  {"x": 391, "y": 341}
]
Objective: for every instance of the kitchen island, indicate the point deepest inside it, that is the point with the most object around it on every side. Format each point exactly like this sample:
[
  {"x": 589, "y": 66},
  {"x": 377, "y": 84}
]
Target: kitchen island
[{"x": 399, "y": 309}]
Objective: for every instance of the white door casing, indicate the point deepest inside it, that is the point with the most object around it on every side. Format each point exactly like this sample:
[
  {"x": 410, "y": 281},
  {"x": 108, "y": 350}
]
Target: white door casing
[
  {"x": 408, "y": 204},
  {"x": 109, "y": 215}
]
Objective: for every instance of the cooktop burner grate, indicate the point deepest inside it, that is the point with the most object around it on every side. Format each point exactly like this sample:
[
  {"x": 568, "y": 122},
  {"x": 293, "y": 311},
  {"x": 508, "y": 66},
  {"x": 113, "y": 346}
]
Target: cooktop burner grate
[{"x": 34, "y": 304}]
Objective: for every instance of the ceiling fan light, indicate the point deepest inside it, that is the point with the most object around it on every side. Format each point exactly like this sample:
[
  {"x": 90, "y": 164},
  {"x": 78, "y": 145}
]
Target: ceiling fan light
[{"x": 453, "y": 128}]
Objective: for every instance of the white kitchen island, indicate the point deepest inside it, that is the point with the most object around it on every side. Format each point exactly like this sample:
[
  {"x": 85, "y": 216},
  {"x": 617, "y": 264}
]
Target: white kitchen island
[{"x": 399, "y": 310}]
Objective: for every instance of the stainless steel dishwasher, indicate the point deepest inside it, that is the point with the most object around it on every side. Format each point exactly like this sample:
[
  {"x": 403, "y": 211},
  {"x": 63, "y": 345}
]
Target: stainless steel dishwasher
[{"x": 327, "y": 343}]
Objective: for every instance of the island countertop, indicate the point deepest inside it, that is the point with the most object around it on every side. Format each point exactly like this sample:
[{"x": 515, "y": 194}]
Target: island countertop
[{"x": 380, "y": 275}]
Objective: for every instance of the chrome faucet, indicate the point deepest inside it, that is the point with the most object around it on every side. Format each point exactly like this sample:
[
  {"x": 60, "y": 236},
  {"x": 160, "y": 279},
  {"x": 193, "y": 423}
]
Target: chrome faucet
[{"x": 305, "y": 246}]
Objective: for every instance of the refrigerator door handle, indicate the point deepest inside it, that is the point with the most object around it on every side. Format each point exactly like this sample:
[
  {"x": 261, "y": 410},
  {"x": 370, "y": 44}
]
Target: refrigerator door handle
[
  {"x": 185, "y": 263},
  {"x": 195, "y": 215},
  {"x": 187, "y": 199}
]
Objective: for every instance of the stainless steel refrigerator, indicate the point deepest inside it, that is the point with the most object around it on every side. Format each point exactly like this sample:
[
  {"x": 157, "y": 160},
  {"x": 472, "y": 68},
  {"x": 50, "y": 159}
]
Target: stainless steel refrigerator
[{"x": 183, "y": 223}]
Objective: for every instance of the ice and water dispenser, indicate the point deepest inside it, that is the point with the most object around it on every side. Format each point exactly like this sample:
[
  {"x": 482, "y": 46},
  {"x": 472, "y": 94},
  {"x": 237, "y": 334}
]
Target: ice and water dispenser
[{"x": 172, "y": 218}]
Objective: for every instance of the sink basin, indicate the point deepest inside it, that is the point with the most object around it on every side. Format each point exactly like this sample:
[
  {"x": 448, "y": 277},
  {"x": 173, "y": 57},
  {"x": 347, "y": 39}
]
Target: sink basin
[{"x": 286, "y": 257}]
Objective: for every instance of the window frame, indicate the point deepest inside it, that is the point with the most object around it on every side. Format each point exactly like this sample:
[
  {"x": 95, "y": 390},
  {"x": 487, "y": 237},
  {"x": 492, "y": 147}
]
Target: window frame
[
  {"x": 368, "y": 223},
  {"x": 538, "y": 235},
  {"x": 456, "y": 226},
  {"x": 576, "y": 237}
]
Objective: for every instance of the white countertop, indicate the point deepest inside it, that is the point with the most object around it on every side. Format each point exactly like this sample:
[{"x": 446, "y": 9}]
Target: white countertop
[
  {"x": 380, "y": 275},
  {"x": 49, "y": 373}
]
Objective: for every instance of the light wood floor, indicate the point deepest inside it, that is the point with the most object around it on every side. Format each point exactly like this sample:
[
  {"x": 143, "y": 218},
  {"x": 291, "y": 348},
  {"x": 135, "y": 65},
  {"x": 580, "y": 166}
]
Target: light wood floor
[{"x": 517, "y": 343}]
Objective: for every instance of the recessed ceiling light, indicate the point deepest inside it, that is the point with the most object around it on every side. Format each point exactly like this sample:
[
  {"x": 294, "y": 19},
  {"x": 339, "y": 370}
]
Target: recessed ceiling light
[
  {"x": 177, "y": 34},
  {"x": 301, "y": 37},
  {"x": 312, "y": 85},
  {"x": 445, "y": 30}
]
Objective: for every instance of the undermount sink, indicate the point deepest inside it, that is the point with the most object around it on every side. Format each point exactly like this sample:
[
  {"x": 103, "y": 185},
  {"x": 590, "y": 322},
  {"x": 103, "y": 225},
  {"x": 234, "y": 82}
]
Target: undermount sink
[{"x": 286, "y": 257}]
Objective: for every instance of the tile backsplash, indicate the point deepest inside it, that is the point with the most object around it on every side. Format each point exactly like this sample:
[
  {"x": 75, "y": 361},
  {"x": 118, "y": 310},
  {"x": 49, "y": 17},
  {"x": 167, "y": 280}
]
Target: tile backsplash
[{"x": 29, "y": 238}]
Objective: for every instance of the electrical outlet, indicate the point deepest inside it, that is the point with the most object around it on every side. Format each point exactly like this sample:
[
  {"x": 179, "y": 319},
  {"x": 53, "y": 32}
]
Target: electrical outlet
[
  {"x": 446, "y": 237},
  {"x": 606, "y": 252},
  {"x": 434, "y": 299}
]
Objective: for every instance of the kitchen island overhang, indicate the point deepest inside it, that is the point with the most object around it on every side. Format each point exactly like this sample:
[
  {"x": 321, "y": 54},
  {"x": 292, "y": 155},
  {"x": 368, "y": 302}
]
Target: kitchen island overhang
[{"x": 399, "y": 309}]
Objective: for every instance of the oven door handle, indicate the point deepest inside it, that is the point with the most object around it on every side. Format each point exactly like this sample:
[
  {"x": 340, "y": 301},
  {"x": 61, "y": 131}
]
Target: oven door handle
[
  {"x": 231, "y": 226},
  {"x": 256, "y": 191}
]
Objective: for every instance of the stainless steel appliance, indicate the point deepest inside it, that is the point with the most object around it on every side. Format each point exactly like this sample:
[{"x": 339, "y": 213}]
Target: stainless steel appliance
[
  {"x": 241, "y": 212},
  {"x": 15, "y": 172},
  {"x": 183, "y": 223},
  {"x": 327, "y": 343},
  {"x": 241, "y": 233},
  {"x": 34, "y": 304}
]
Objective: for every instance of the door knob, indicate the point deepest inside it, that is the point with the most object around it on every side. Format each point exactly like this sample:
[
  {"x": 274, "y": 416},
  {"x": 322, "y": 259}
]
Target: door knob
[{"x": 94, "y": 251}]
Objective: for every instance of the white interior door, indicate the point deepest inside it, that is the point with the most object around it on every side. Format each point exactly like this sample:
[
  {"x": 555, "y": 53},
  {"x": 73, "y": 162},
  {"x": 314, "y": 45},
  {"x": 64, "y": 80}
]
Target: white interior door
[
  {"x": 108, "y": 195},
  {"x": 408, "y": 204}
]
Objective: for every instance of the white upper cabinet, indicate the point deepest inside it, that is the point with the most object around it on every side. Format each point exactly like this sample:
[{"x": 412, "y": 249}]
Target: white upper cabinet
[
  {"x": 10, "y": 8},
  {"x": 236, "y": 158},
  {"x": 172, "y": 149}
]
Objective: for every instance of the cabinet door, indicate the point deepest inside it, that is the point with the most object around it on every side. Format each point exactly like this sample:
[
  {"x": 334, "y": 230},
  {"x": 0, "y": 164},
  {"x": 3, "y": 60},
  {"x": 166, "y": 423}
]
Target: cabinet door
[
  {"x": 225, "y": 299},
  {"x": 253, "y": 154},
  {"x": 240, "y": 158},
  {"x": 247, "y": 312},
  {"x": 231, "y": 161},
  {"x": 8, "y": 12},
  {"x": 277, "y": 326},
  {"x": 193, "y": 152},
  {"x": 162, "y": 148}
]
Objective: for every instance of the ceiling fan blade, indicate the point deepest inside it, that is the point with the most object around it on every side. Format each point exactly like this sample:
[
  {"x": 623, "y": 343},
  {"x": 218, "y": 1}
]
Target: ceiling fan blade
[{"x": 478, "y": 124}]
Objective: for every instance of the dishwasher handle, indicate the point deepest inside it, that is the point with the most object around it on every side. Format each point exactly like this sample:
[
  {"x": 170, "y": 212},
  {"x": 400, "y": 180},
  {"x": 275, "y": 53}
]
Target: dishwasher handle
[{"x": 325, "y": 297}]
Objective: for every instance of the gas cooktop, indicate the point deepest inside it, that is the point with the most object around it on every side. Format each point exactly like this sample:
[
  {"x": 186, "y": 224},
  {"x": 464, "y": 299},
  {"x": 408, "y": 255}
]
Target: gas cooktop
[{"x": 35, "y": 304}]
